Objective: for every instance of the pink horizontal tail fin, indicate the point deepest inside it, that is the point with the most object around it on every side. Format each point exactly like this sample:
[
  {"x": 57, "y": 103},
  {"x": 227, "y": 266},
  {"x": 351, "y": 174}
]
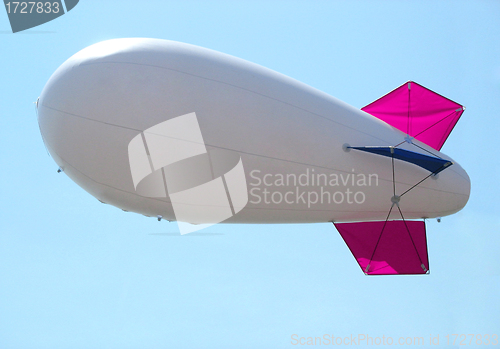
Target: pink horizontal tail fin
[
  {"x": 418, "y": 112},
  {"x": 387, "y": 248}
]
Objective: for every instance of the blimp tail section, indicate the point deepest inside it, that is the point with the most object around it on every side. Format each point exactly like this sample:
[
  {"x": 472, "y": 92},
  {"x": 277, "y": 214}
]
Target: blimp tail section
[
  {"x": 394, "y": 247},
  {"x": 419, "y": 112},
  {"x": 387, "y": 247}
]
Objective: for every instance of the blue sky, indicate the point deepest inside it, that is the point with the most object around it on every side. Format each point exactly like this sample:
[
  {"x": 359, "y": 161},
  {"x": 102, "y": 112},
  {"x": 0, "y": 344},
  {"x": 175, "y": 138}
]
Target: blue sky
[{"x": 78, "y": 274}]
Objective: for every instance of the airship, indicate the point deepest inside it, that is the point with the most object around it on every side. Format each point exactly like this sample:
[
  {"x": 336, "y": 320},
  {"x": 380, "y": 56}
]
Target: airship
[{"x": 183, "y": 133}]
